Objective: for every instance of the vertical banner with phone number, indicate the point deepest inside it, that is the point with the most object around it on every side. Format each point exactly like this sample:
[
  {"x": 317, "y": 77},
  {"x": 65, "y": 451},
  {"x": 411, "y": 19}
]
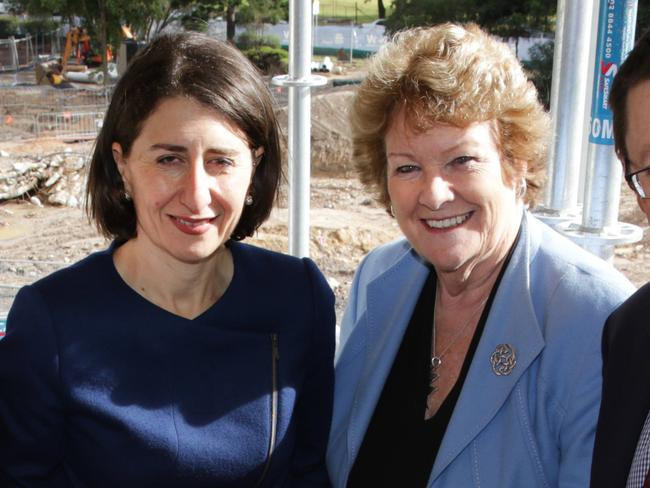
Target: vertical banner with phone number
[{"x": 616, "y": 24}]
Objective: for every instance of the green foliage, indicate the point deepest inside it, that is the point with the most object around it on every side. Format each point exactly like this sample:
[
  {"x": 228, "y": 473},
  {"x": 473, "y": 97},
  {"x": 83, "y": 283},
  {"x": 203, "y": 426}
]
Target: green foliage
[
  {"x": 192, "y": 23},
  {"x": 260, "y": 11},
  {"x": 270, "y": 60},
  {"x": 13, "y": 26},
  {"x": 40, "y": 7},
  {"x": 540, "y": 70},
  {"x": 205, "y": 9},
  {"x": 358, "y": 11},
  {"x": 506, "y": 18},
  {"x": 249, "y": 39},
  {"x": 8, "y": 26},
  {"x": 41, "y": 25},
  {"x": 141, "y": 15}
]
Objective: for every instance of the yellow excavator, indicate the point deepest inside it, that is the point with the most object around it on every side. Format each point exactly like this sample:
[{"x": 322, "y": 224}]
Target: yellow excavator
[
  {"x": 77, "y": 57},
  {"x": 77, "y": 44}
]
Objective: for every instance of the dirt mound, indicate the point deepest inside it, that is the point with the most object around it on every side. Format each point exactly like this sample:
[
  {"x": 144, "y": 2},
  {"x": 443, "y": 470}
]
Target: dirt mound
[{"x": 330, "y": 130}]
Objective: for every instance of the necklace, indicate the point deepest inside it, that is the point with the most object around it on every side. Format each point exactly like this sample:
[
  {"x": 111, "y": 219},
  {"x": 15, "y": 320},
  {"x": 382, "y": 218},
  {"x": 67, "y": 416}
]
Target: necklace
[{"x": 436, "y": 359}]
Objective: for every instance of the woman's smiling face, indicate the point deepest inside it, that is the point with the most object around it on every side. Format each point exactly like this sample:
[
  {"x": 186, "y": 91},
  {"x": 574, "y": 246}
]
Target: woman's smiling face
[
  {"x": 188, "y": 173},
  {"x": 449, "y": 195}
]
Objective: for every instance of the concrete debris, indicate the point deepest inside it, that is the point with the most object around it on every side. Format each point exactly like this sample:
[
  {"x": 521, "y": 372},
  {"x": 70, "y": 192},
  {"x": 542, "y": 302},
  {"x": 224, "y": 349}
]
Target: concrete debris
[
  {"x": 35, "y": 201},
  {"x": 58, "y": 179},
  {"x": 72, "y": 201},
  {"x": 75, "y": 163},
  {"x": 22, "y": 168},
  {"x": 4, "y": 154},
  {"x": 52, "y": 179},
  {"x": 59, "y": 198}
]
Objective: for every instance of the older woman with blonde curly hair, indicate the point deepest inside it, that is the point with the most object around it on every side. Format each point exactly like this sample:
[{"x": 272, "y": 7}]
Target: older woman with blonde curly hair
[{"x": 470, "y": 350}]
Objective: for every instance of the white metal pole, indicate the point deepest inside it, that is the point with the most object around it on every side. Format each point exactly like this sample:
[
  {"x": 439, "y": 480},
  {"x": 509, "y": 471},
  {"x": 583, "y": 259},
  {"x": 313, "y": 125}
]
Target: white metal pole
[
  {"x": 299, "y": 82},
  {"x": 14, "y": 56},
  {"x": 351, "y": 41},
  {"x": 600, "y": 229},
  {"x": 569, "y": 94}
]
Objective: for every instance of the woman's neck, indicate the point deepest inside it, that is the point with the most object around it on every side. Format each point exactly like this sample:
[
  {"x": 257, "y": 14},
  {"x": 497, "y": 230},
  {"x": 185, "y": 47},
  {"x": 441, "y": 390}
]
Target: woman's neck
[
  {"x": 455, "y": 294},
  {"x": 184, "y": 289},
  {"x": 474, "y": 282}
]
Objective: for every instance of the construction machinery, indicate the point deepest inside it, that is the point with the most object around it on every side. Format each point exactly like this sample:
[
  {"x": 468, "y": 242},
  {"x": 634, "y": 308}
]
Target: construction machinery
[
  {"x": 74, "y": 63},
  {"x": 77, "y": 44}
]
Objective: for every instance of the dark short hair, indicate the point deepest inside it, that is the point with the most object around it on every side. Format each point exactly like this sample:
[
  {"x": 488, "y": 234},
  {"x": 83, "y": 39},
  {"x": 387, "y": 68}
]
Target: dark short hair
[
  {"x": 212, "y": 73},
  {"x": 635, "y": 69}
]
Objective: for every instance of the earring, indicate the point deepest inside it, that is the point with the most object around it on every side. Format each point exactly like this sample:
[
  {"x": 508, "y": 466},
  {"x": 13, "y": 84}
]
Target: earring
[
  {"x": 249, "y": 200},
  {"x": 392, "y": 211},
  {"x": 127, "y": 196}
]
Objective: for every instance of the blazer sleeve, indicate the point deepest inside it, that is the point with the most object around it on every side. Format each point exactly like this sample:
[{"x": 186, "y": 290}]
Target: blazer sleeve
[
  {"x": 313, "y": 411},
  {"x": 585, "y": 315},
  {"x": 31, "y": 412},
  {"x": 579, "y": 422}
]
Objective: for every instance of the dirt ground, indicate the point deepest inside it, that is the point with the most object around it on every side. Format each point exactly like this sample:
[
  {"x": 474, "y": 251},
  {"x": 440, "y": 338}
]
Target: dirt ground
[{"x": 346, "y": 223}]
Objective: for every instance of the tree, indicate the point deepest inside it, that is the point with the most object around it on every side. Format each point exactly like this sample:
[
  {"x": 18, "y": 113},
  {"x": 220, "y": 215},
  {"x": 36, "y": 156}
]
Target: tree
[
  {"x": 540, "y": 70},
  {"x": 206, "y": 9},
  {"x": 257, "y": 12},
  {"x": 505, "y": 18},
  {"x": 104, "y": 18},
  {"x": 381, "y": 9}
]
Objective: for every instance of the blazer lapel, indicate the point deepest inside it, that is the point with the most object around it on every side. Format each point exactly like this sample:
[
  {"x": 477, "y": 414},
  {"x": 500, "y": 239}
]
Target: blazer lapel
[
  {"x": 390, "y": 302},
  {"x": 511, "y": 321}
]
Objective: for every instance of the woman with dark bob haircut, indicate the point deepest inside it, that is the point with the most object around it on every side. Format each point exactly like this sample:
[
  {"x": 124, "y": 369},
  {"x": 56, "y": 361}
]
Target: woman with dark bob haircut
[{"x": 179, "y": 356}]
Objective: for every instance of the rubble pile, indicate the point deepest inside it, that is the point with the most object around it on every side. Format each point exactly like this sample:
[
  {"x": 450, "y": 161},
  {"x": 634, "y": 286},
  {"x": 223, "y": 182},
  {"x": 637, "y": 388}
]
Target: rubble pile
[
  {"x": 59, "y": 178},
  {"x": 56, "y": 179},
  {"x": 331, "y": 144}
]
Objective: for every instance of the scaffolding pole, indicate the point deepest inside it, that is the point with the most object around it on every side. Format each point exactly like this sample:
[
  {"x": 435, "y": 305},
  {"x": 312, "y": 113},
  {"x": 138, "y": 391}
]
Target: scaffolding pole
[
  {"x": 599, "y": 231},
  {"x": 299, "y": 82},
  {"x": 569, "y": 94}
]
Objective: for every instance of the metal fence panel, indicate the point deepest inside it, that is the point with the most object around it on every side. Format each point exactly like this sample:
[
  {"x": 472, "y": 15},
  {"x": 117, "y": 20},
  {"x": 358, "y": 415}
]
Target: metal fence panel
[
  {"x": 47, "y": 98},
  {"x": 19, "y": 126},
  {"x": 16, "y": 53},
  {"x": 69, "y": 125}
]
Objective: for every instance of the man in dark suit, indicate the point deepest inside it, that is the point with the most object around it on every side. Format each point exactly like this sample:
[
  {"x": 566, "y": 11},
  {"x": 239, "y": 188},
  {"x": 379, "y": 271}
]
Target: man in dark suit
[{"x": 622, "y": 446}]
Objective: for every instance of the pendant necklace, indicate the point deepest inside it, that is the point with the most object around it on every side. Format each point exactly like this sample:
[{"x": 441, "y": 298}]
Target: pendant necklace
[{"x": 436, "y": 359}]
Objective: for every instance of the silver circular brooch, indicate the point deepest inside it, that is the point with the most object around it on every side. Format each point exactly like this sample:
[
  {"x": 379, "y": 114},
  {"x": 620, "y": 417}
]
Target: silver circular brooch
[{"x": 503, "y": 360}]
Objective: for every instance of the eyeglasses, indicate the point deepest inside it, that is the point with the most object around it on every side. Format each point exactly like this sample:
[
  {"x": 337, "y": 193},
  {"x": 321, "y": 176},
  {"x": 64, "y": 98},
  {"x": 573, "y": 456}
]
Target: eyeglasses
[{"x": 639, "y": 181}]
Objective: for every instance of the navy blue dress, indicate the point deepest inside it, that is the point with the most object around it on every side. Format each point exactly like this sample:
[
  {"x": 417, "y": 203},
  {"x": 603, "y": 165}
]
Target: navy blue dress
[{"x": 101, "y": 388}]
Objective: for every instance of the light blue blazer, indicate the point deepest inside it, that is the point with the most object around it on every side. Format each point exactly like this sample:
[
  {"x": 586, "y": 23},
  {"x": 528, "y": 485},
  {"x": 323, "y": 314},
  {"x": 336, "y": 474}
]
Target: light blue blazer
[{"x": 531, "y": 428}]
